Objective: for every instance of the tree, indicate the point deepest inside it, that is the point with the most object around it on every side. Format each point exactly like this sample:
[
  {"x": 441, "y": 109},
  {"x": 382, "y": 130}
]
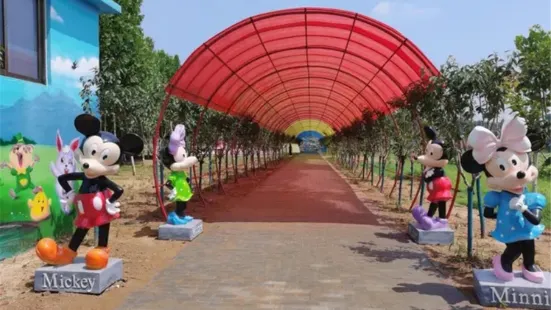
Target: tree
[{"x": 533, "y": 82}]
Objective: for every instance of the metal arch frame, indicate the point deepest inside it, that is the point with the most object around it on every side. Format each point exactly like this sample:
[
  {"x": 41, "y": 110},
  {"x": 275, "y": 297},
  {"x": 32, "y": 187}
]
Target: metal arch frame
[
  {"x": 376, "y": 90},
  {"x": 199, "y": 51},
  {"x": 271, "y": 61},
  {"x": 250, "y": 61}
]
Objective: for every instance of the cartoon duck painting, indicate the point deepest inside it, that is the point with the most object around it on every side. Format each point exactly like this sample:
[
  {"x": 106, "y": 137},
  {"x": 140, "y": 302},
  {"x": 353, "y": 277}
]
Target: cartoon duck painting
[{"x": 39, "y": 206}]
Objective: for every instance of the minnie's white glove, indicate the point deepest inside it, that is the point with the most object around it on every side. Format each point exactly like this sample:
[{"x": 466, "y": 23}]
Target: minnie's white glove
[
  {"x": 112, "y": 208},
  {"x": 517, "y": 203},
  {"x": 172, "y": 194}
]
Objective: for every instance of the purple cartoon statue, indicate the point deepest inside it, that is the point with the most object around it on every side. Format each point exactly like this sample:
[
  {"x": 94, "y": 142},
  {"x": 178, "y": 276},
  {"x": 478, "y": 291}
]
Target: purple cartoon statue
[{"x": 506, "y": 163}]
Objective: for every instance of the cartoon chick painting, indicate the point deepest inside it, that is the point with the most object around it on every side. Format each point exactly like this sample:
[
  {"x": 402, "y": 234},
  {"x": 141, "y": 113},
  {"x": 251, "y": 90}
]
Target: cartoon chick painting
[
  {"x": 39, "y": 206},
  {"x": 21, "y": 163}
]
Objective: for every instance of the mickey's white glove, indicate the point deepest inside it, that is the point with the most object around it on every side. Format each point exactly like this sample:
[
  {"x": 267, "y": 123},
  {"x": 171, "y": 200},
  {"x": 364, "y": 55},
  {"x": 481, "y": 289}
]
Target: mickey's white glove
[
  {"x": 112, "y": 208},
  {"x": 172, "y": 194},
  {"x": 429, "y": 173},
  {"x": 517, "y": 203},
  {"x": 430, "y": 186},
  {"x": 67, "y": 199}
]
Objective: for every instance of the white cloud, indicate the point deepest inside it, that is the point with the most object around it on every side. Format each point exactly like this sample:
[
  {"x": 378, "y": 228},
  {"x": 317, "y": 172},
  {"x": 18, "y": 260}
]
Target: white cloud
[
  {"x": 55, "y": 16},
  {"x": 401, "y": 9},
  {"x": 64, "y": 66},
  {"x": 382, "y": 8}
]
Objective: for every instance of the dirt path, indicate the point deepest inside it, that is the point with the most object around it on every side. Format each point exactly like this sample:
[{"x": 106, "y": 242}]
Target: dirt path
[{"x": 300, "y": 240}]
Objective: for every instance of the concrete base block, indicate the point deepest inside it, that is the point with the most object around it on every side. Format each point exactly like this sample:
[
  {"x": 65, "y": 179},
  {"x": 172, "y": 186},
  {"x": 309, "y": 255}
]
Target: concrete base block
[
  {"x": 185, "y": 232},
  {"x": 518, "y": 293},
  {"x": 437, "y": 236},
  {"x": 75, "y": 278}
]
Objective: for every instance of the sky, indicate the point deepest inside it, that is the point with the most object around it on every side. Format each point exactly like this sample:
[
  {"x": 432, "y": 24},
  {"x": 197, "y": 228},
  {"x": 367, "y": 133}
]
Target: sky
[{"x": 467, "y": 29}]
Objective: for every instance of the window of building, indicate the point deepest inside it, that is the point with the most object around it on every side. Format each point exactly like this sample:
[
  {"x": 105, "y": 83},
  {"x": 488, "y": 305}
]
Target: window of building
[{"x": 22, "y": 39}]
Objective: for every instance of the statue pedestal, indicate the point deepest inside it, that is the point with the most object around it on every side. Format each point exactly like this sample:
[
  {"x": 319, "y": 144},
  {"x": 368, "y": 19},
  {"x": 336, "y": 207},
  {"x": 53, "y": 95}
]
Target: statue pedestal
[
  {"x": 75, "y": 278},
  {"x": 518, "y": 293},
  {"x": 185, "y": 232},
  {"x": 436, "y": 236}
]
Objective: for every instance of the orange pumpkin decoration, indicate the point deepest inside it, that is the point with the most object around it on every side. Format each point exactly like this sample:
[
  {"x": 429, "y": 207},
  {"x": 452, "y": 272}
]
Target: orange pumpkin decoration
[{"x": 97, "y": 258}]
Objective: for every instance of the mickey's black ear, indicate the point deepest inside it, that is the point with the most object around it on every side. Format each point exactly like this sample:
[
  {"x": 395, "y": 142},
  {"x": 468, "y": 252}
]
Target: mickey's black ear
[
  {"x": 131, "y": 144},
  {"x": 537, "y": 137},
  {"x": 430, "y": 133},
  {"x": 469, "y": 164},
  {"x": 87, "y": 124}
]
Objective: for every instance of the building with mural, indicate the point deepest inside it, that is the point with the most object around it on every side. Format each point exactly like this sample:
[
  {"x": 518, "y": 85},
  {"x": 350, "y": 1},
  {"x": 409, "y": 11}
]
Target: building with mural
[{"x": 46, "y": 47}]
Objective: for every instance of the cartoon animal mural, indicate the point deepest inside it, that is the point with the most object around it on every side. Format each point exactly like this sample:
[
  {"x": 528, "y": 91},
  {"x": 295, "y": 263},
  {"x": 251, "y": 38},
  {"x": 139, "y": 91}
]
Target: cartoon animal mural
[
  {"x": 38, "y": 111},
  {"x": 39, "y": 206},
  {"x": 64, "y": 164},
  {"x": 21, "y": 163}
]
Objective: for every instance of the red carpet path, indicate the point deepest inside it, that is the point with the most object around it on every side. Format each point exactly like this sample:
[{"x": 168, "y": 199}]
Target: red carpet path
[{"x": 300, "y": 240}]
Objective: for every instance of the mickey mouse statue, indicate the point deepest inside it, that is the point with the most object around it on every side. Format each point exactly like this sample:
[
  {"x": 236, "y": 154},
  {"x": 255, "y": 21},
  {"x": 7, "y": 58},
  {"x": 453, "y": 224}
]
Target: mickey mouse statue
[
  {"x": 175, "y": 158},
  {"x": 438, "y": 184},
  {"x": 506, "y": 164},
  {"x": 96, "y": 200}
]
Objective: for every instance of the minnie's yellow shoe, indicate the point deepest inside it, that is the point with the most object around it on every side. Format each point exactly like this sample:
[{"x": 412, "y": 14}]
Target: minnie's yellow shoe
[
  {"x": 97, "y": 258},
  {"x": 51, "y": 253}
]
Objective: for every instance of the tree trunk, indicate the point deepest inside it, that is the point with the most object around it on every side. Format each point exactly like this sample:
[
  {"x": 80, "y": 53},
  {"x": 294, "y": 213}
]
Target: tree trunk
[
  {"x": 363, "y": 166},
  {"x": 246, "y": 161},
  {"x": 252, "y": 162},
  {"x": 235, "y": 166},
  {"x": 210, "y": 169},
  {"x": 402, "y": 164},
  {"x": 383, "y": 176},
  {"x": 535, "y": 163},
  {"x": 201, "y": 175},
  {"x": 219, "y": 173},
  {"x": 396, "y": 177},
  {"x": 411, "y": 179},
  {"x": 226, "y": 160},
  {"x": 133, "y": 165}
]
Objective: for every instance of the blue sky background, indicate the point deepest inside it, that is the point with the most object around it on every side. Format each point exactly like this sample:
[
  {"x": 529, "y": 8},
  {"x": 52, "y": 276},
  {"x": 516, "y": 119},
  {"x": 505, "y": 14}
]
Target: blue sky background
[{"x": 468, "y": 29}]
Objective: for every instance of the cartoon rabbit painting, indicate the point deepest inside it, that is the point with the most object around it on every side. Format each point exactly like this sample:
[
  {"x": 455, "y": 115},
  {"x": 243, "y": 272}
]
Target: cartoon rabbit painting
[{"x": 64, "y": 164}]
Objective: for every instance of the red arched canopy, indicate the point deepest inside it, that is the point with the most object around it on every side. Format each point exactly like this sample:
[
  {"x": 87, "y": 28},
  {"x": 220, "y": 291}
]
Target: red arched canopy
[{"x": 301, "y": 64}]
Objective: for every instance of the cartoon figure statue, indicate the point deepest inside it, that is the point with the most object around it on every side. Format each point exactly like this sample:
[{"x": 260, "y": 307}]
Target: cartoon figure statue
[
  {"x": 21, "y": 163},
  {"x": 64, "y": 164},
  {"x": 176, "y": 159},
  {"x": 39, "y": 206},
  {"x": 438, "y": 184},
  {"x": 96, "y": 200},
  {"x": 506, "y": 163}
]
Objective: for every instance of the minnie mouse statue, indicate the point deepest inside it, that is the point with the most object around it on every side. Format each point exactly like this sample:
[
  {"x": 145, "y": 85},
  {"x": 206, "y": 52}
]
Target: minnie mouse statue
[
  {"x": 176, "y": 159},
  {"x": 506, "y": 163}
]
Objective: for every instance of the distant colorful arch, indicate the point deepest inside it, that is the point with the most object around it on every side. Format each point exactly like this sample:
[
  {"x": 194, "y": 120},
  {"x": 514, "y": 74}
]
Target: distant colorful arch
[{"x": 309, "y": 125}]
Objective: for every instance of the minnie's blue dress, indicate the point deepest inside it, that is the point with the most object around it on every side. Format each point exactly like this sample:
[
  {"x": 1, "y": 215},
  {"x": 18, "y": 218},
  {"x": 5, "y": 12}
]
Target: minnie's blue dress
[{"x": 511, "y": 225}]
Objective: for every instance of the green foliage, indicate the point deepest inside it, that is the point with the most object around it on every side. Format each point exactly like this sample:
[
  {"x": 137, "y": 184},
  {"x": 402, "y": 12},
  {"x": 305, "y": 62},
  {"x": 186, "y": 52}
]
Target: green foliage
[
  {"x": 17, "y": 139},
  {"x": 530, "y": 89}
]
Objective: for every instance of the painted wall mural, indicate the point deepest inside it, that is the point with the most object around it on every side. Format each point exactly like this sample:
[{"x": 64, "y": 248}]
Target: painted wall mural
[
  {"x": 37, "y": 136},
  {"x": 310, "y": 142}
]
